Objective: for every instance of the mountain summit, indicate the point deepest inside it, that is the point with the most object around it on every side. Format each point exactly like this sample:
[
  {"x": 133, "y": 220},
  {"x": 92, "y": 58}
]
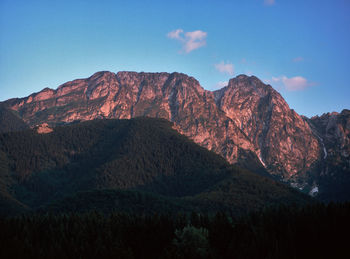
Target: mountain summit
[{"x": 246, "y": 122}]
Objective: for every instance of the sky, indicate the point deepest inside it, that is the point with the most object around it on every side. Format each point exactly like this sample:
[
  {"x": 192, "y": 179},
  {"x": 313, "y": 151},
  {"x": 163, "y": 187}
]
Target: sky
[{"x": 300, "y": 47}]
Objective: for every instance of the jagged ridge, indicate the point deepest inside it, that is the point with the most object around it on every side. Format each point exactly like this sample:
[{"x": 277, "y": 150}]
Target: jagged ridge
[{"x": 244, "y": 119}]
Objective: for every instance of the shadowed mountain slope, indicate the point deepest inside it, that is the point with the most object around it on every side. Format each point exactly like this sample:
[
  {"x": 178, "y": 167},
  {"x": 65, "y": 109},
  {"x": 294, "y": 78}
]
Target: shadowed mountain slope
[{"x": 143, "y": 155}]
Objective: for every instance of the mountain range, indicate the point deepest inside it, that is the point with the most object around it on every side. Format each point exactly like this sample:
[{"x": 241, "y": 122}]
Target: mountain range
[{"x": 247, "y": 122}]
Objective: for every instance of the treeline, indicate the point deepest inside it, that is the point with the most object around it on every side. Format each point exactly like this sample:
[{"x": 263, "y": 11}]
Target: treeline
[
  {"x": 146, "y": 146},
  {"x": 10, "y": 121},
  {"x": 143, "y": 154},
  {"x": 315, "y": 231}
]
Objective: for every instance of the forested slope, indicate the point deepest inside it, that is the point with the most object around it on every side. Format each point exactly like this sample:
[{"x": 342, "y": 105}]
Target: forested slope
[{"x": 140, "y": 155}]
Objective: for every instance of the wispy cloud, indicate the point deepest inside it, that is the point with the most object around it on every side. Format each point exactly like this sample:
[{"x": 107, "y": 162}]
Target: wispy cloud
[
  {"x": 225, "y": 68},
  {"x": 190, "y": 40},
  {"x": 175, "y": 34},
  {"x": 221, "y": 84},
  {"x": 296, "y": 83},
  {"x": 298, "y": 59},
  {"x": 269, "y": 2}
]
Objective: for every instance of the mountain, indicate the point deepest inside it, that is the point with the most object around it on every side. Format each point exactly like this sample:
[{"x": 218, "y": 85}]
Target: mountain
[
  {"x": 283, "y": 141},
  {"x": 137, "y": 162},
  {"x": 333, "y": 131},
  {"x": 175, "y": 97},
  {"x": 10, "y": 121},
  {"x": 247, "y": 122}
]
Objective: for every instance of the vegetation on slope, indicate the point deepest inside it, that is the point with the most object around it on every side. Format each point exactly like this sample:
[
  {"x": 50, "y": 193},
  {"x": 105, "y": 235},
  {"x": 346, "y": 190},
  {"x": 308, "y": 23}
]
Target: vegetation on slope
[
  {"x": 143, "y": 155},
  {"x": 10, "y": 121}
]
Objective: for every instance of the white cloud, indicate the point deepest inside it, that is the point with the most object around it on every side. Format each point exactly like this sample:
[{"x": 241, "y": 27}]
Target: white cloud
[
  {"x": 269, "y": 2},
  {"x": 298, "y": 59},
  {"x": 296, "y": 83},
  {"x": 274, "y": 80},
  {"x": 221, "y": 84},
  {"x": 190, "y": 40},
  {"x": 175, "y": 34},
  {"x": 195, "y": 40},
  {"x": 225, "y": 68}
]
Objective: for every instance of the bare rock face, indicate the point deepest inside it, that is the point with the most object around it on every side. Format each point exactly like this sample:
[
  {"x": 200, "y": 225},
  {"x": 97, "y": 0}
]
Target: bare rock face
[
  {"x": 282, "y": 139},
  {"x": 43, "y": 128},
  {"x": 333, "y": 178},
  {"x": 334, "y": 131},
  {"x": 244, "y": 119}
]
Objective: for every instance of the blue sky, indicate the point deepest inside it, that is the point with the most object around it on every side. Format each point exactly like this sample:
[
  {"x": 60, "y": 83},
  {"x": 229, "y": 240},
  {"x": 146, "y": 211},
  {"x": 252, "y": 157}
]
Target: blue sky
[{"x": 302, "y": 48}]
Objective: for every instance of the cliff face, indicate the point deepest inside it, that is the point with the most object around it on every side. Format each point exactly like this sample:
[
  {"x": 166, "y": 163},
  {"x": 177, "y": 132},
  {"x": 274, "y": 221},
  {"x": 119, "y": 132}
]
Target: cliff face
[
  {"x": 333, "y": 129},
  {"x": 333, "y": 179},
  {"x": 283, "y": 141},
  {"x": 244, "y": 119}
]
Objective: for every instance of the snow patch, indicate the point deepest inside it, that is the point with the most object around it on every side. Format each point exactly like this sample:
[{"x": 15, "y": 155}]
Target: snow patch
[
  {"x": 297, "y": 186},
  {"x": 324, "y": 148},
  {"x": 325, "y": 152},
  {"x": 314, "y": 191},
  {"x": 260, "y": 158}
]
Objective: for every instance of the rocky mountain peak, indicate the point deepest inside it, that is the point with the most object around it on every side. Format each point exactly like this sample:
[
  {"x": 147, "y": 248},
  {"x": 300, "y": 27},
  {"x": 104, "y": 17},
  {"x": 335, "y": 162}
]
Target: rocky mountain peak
[
  {"x": 246, "y": 85},
  {"x": 247, "y": 118},
  {"x": 268, "y": 122},
  {"x": 242, "y": 78},
  {"x": 102, "y": 76}
]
